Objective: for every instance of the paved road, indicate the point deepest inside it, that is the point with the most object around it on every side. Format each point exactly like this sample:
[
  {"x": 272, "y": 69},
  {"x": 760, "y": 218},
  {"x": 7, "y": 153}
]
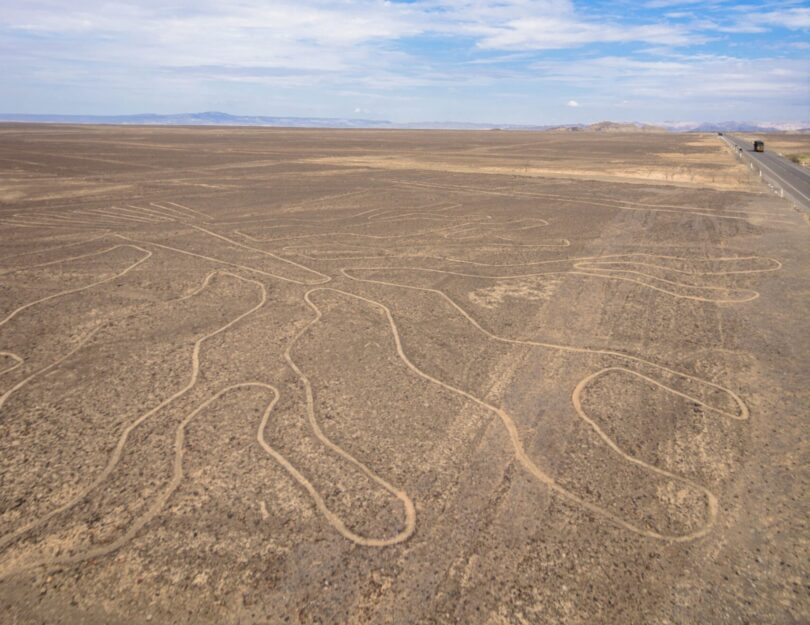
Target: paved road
[{"x": 795, "y": 180}]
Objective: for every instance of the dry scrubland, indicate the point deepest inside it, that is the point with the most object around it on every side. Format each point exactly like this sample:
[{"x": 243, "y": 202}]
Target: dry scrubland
[{"x": 271, "y": 376}]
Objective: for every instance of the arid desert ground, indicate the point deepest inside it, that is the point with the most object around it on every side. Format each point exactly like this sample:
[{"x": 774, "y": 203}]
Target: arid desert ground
[{"x": 383, "y": 377}]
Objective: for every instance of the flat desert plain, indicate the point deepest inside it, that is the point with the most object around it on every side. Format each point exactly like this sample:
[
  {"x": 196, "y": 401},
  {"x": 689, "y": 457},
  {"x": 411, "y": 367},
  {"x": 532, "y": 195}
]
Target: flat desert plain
[{"x": 382, "y": 377}]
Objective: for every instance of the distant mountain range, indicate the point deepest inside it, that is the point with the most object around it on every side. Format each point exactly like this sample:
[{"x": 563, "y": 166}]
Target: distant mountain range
[
  {"x": 214, "y": 118},
  {"x": 737, "y": 126}
]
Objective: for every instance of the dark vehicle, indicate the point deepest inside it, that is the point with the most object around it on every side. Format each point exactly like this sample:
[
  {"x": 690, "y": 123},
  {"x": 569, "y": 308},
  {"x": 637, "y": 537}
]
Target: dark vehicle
[
  {"x": 719, "y": 134},
  {"x": 759, "y": 146}
]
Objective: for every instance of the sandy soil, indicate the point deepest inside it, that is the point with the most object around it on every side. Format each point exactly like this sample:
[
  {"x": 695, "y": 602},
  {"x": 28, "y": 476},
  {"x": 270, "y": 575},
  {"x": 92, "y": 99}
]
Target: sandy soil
[{"x": 366, "y": 377}]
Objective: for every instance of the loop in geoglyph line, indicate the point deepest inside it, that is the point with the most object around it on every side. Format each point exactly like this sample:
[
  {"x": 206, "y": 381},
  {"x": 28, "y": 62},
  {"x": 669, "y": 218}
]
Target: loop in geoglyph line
[
  {"x": 743, "y": 409},
  {"x": 608, "y": 274},
  {"x": 517, "y": 444},
  {"x": 117, "y": 452}
]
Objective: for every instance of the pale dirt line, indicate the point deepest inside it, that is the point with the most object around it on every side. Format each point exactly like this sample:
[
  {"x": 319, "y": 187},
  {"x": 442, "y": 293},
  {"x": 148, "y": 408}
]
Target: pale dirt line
[
  {"x": 179, "y": 212},
  {"x": 517, "y": 221},
  {"x": 151, "y": 211},
  {"x": 470, "y": 224},
  {"x": 335, "y": 256},
  {"x": 580, "y": 261},
  {"x": 53, "y": 221},
  {"x": 50, "y": 249},
  {"x": 20, "y": 225},
  {"x": 608, "y": 275},
  {"x": 407, "y": 503},
  {"x": 409, "y": 217},
  {"x": 314, "y": 202},
  {"x": 418, "y": 210},
  {"x": 314, "y": 223},
  {"x": 746, "y": 295},
  {"x": 595, "y": 265},
  {"x": 4, "y": 397},
  {"x": 157, "y": 505},
  {"x": 370, "y": 220},
  {"x": 129, "y": 219},
  {"x": 32, "y": 222},
  {"x": 570, "y": 198},
  {"x": 623, "y": 206},
  {"x": 449, "y": 242},
  {"x": 217, "y": 260},
  {"x": 743, "y": 409},
  {"x": 137, "y": 213},
  {"x": 591, "y": 264},
  {"x": 100, "y": 220},
  {"x": 17, "y": 362},
  {"x": 596, "y": 259},
  {"x": 110, "y": 221},
  {"x": 63, "y": 219},
  {"x": 179, "y": 446},
  {"x": 14, "y": 313},
  {"x": 133, "y": 215},
  {"x": 188, "y": 208},
  {"x": 354, "y": 234},
  {"x": 122, "y": 440},
  {"x": 62, "y": 260},
  {"x": 265, "y": 252},
  {"x": 528, "y": 463},
  {"x": 283, "y": 217},
  {"x": 169, "y": 212},
  {"x": 729, "y": 180},
  {"x": 324, "y": 234}
]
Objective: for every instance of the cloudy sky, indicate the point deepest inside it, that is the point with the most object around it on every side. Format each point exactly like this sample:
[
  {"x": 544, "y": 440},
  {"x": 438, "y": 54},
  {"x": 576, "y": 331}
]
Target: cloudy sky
[{"x": 508, "y": 61}]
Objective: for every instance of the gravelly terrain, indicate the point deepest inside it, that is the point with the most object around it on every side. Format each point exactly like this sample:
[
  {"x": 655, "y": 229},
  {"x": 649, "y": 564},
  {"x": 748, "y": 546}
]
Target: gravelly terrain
[{"x": 275, "y": 376}]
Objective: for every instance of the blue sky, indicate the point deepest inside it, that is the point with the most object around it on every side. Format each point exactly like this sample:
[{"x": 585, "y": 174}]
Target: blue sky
[{"x": 507, "y": 61}]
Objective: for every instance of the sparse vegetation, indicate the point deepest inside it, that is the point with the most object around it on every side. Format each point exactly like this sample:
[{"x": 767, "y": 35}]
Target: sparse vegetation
[{"x": 799, "y": 159}]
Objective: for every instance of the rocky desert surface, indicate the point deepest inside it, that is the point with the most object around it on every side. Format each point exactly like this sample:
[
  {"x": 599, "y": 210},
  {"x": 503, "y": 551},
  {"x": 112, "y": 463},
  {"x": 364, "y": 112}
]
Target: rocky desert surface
[{"x": 384, "y": 377}]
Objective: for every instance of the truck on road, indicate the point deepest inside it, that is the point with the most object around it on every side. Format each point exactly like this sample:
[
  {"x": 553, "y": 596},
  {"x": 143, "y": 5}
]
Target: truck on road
[{"x": 759, "y": 146}]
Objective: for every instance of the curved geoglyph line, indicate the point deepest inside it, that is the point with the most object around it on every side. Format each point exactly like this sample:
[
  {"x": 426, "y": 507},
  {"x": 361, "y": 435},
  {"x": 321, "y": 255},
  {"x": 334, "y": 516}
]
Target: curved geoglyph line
[
  {"x": 419, "y": 233},
  {"x": 117, "y": 452},
  {"x": 15, "y": 357},
  {"x": 160, "y": 501},
  {"x": 4, "y": 397},
  {"x": 526, "y": 461},
  {"x": 56, "y": 247},
  {"x": 324, "y": 278},
  {"x": 747, "y": 294},
  {"x": 617, "y": 204},
  {"x": 742, "y": 414},
  {"x": 137, "y": 263},
  {"x": 743, "y": 409},
  {"x": 407, "y": 503},
  {"x": 179, "y": 449},
  {"x": 605, "y": 266},
  {"x": 588, "y": 264},
  {"x": 228, "y": 263}
]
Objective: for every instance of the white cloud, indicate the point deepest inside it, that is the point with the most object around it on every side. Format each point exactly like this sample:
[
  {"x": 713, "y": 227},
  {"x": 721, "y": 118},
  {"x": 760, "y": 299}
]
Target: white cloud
[
  {"x": 721, "y": 78},
  {"x": 572, "y": 103},
  {"x": 260, "y": 51},
  {"x": 753, "y": 22}
]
